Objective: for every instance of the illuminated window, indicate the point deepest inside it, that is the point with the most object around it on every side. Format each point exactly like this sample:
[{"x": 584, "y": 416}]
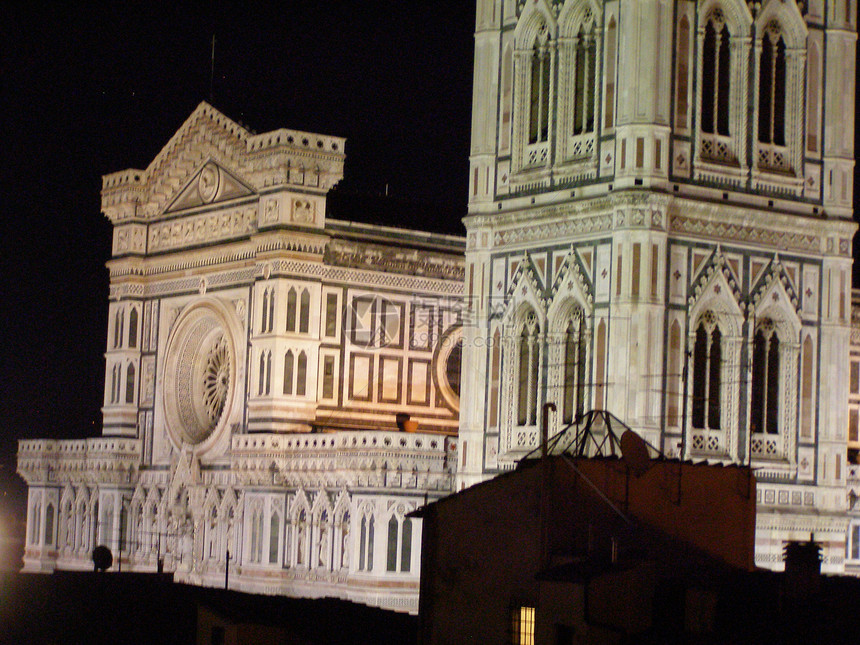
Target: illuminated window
[
  {"x": 523, "y": 628},
  {"x": 529, "y": 371},
  {"x": 765, "y": 381},
  {"x": 852, "y": 544}
]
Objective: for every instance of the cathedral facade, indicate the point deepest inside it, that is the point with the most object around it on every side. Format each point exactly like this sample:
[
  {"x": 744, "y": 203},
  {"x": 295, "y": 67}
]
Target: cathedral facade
[
  {"x": 281, "y": 389},
  {"x": 660, "y": 226}
]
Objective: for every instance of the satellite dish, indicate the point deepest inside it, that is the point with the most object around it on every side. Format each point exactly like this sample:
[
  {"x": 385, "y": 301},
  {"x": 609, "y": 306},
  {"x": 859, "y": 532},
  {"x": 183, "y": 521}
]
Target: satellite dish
[{"x": 634, "y": 452}]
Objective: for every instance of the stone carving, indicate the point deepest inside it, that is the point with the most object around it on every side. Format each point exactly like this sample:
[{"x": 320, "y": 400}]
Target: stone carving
[{"x": 303, "y": 211}]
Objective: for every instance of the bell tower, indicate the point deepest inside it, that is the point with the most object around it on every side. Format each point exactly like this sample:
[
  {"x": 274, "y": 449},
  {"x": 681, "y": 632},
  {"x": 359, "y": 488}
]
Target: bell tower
[{"x": 660, "y": 225}]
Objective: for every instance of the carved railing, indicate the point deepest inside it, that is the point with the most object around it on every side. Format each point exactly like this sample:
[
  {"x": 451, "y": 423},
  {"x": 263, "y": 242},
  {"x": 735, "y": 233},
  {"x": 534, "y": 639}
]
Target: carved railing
[
  {"x": 772, "y": 157},
  {"x": 718, "y": 149},
  {"x": 707, "y": 442},
  {"x": 766, "y": 446}
]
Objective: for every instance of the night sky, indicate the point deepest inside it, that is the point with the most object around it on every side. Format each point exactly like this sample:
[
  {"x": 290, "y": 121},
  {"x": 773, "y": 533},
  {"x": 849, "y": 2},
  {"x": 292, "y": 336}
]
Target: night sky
[
  {"x": 88, "y": 91},
  {"x": 91, "y": 90}
]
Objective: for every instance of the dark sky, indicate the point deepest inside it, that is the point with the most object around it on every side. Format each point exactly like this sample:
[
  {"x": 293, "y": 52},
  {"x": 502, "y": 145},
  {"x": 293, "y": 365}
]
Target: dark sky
[{"x": 86, "y": 91}]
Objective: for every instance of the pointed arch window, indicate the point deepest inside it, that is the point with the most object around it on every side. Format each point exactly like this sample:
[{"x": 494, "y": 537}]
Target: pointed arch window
[
  {"x": 539, "y": 93},
  {"x": 528, "y": 371},
  {"x": 264, "y": 386},
  {"x": 301, "y": 374},
  {"x": 764, "y": 404},
  {"x": 716, "y": 68},
  {"x": 611, "y": 46},
  {"x": 495, "y": 370},
  {"x": 274, "y": 537},
  {"x": 574, "y": 370},
  {"x": 585, "y": 59},
  {"x": 132, "y": 328},
  {"x": 288, "y": 372},
  {"x": 118, "y": 323},
  {"x": 49, "y": 524},
  {"x": 682, "y": 74},
  {"x": 129, "y": 383},
  {"x": 707, "y": 369},
  {"x": 304, "y": 311},
  {"x": 771, "y": 87}
]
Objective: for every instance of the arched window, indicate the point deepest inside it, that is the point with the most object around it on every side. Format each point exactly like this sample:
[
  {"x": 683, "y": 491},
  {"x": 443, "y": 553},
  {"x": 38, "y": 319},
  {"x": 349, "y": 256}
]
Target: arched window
[
  {"x": 365, "y": 555},
  {"x": 257, "y": 535},
  {"x": 574, "y": 370},
  {"x": 507, "y": 97},
  {"x": 291, "y": 309},
  {"x": 771, "y": 87},
  {"x": 274, "y": 537},
  {"x": 132, "y": 328},
  {"x": 707, "y": 364},
  {"x": 812, "y": 102},
  {"x": 495, "y": 370},
  {"x": 264, "y": 386},
  {"x": 304, "y": 312},
  {"x": 764, "y": 404},
  {"x": 673, "y": 376},
  {"x": 301, "y": 374},
  {"x": 49, "y": 523},
  {"x": 528, "y": 371},
  {"x": 682, "y": 73},
  {"x": 129, "y": 383},
  {"x": 806, "y": 391},
  {"x": 393, "y": 533},
  {"x": 584, "y": 74},
  {"x": 716, "y": 68},
  {"x": 264, "y": 317},
  {"x": 611, "y": 47},
  {"x": 288, "y": 372},
  {"x": 118, "y": 321},
  {"x": 539, "y": 93}
]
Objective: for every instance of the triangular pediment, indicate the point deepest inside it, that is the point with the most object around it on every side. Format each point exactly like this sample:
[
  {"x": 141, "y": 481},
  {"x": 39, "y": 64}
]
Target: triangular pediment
[{"x": 211, "y": 184}]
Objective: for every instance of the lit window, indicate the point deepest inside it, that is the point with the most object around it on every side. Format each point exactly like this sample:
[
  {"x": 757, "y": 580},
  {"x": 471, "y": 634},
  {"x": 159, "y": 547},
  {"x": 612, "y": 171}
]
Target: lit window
[{"x": 523, "y": 628}]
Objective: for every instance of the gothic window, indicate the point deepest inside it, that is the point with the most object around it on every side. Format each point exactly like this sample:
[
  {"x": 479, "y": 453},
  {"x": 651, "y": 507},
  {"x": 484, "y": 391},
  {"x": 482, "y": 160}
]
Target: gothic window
[
  {"x": 584, "y": 78},
  {"x": 806, "y": 391},
  {"x": 812, "y": 102},
  {"x": 682, "y": 74},
  {"x": 715, "y": 75},
  {"x": 574, "y": 370},
  {"x": 132, "y": 328},
  {"x": 528, "y": 373},
  {"x": 495, "y": 369},
  {"x": 304, "y": 311},
  {"x": 399, "y": 557},
  {"x": 129, "y": 383},
  {"x": 538, "y": 131},
  {"x": 291, "y": 309},
  {"x": 707, "y": 369},
  {"x": 600, "y": 366},
  {"x": 115, "y": 384},
  {"x": 611, "y": 47},
  {"x": 257, "y": 535},
  {"x": 764, "y": 404},
  {"x": 123, "y": 526},
  {"x": 365, "y": 554},
  {"x": 771, "y": 87},
  {"x": 49, "y": 524},
  {"x": 268, "y": 311},
  {"x": 301, "y": 374},
  {"x": 328, "y": 378},
  {"x": 288, "y": 372},
  {"x": 118, "y": 322},
  {"x": 35, "y": 522},
  {"x": 507, "y": 93},
  {"x": 264, "y": 386},
  {"x": 274, "y": 537},
  {"x": 673, "y": 376},
  {"x": 331, "y": 315}
]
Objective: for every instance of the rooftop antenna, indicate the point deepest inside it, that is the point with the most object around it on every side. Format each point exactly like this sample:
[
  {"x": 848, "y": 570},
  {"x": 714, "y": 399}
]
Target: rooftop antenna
[{"x": 212, "y": 73}]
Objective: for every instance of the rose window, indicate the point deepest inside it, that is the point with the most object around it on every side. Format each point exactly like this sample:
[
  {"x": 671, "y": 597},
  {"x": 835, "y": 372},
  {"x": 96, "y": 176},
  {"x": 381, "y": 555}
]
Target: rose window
[{"x": 216, "y": 380}]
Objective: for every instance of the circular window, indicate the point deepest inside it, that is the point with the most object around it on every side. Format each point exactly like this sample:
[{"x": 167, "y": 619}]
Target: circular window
[
  {"x": 199, "y": 373},
  {"x": 446, "y": 370}
]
